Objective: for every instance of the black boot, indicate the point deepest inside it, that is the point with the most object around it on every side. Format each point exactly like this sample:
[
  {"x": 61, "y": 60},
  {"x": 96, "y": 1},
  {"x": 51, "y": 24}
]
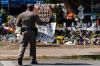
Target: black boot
[
  {"x": 19, "y": 61},
  {"x": 34, "y": 62}
]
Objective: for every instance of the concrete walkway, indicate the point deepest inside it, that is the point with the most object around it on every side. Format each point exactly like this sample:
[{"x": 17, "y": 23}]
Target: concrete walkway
[{"x": 51, "y": 52}]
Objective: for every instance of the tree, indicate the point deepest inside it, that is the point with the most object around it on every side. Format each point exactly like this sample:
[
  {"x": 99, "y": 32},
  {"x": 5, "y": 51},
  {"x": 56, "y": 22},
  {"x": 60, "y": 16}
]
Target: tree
[{"x": 59, "y": 14}]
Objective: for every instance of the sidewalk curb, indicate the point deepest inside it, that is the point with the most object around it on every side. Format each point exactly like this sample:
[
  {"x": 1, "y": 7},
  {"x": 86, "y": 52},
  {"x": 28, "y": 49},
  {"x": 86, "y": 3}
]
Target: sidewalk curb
[{"x": 14, "y": 57}]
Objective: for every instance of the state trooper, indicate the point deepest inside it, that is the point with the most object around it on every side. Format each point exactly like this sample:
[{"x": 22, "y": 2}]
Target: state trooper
[{"x": 27, "y": 21}]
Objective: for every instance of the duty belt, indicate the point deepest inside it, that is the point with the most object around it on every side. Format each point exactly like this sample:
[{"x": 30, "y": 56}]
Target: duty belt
[{"x": 27, "y": 29}]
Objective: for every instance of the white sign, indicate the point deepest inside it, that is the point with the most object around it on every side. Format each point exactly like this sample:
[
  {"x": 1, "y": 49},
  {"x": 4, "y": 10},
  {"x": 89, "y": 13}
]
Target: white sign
[
  {"x": 45, "y": 37},
  {"x": 46, "y": 33}
]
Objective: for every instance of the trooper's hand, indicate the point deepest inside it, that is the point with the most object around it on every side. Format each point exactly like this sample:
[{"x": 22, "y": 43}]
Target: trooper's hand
[{"x": 18, "y": 30}]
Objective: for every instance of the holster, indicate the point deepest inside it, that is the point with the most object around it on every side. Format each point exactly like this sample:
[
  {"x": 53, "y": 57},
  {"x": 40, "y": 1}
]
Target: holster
[{"x": 29, "y": 29}]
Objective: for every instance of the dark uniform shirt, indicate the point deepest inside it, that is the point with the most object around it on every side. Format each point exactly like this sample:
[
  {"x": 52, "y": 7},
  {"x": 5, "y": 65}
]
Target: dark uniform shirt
[{"x": 27, "y": 18}]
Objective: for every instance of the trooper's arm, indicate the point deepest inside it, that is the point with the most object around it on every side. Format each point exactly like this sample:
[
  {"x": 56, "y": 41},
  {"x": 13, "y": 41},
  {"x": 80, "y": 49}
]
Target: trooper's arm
[
  {"x": 18, "y": 25},
  {"x": 18, "y": 21}
]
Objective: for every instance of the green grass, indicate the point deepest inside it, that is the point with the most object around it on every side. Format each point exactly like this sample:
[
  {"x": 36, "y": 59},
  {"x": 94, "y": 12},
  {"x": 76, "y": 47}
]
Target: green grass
[
  {"x": 75, "y": 57},
  {"x": 82, "y": 57}
]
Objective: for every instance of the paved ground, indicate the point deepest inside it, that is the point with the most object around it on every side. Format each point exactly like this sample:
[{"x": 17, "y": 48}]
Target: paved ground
[
  {"x": 51, "y": 52},
  {"x": 55, "y": 62},
  {"x": 10, "y": 50}
]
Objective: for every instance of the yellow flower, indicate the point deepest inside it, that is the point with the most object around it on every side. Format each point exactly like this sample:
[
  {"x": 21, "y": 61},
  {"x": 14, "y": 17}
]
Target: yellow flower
[{"x": 60, "y": 37}]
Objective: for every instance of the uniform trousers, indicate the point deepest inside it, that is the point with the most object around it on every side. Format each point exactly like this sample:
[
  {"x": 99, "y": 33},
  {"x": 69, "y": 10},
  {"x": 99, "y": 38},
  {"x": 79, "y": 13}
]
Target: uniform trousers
[{"x": 28, "y": 37}]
